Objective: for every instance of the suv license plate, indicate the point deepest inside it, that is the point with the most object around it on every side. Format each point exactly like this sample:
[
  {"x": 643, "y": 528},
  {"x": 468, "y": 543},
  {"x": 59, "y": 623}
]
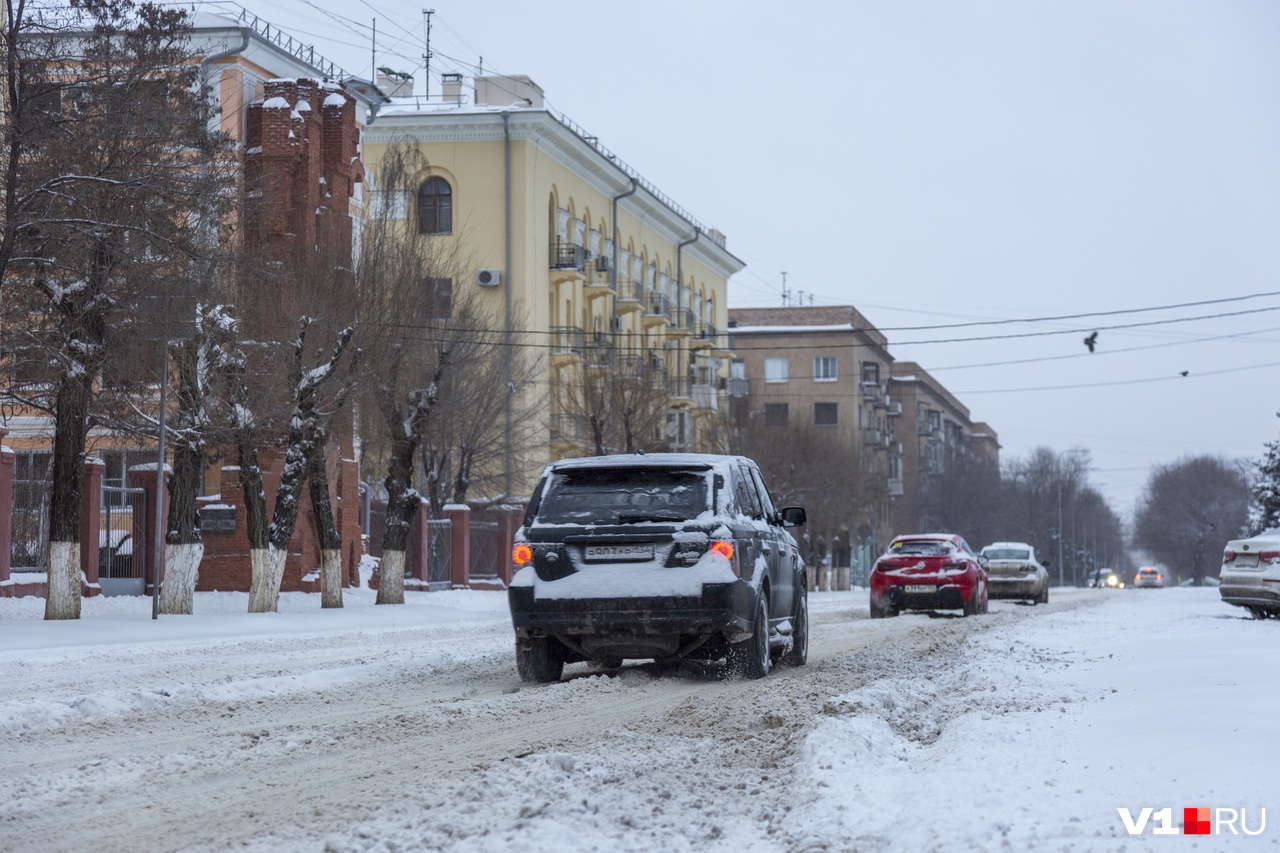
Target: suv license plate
[
  {"x": 920, "y": 587},
  {"x": 618, "y": 552}
]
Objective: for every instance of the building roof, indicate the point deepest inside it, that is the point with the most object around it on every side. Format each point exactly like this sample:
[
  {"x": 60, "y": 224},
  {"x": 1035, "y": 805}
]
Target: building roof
[{"x": 806, "y": 319}]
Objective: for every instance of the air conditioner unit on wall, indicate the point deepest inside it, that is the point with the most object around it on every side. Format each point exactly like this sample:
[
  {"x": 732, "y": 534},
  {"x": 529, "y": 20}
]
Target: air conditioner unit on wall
[{"x": 488, "y": 277}]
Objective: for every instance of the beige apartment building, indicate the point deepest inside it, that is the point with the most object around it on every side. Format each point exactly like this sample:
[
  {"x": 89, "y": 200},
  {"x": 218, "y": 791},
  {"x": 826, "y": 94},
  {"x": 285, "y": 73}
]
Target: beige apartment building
[
  {"x": 603, "y": 272},
  {"x": 933, "y": 431},
  {"x": 826, "y": 368}
]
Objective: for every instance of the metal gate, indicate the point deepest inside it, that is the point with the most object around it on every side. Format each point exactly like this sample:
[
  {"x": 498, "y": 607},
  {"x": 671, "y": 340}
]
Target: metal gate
[
  {"x": 484, "y": 548},
  {"x": 121, "y": 566},
  {"x": 439, "y": 554},
  {"x": 32, "y": 485}
]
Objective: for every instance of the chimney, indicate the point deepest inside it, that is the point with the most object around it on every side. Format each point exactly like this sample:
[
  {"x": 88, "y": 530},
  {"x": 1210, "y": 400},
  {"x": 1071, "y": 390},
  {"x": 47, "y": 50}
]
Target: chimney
[
  {"x": 514, "y": 91},
  {"x": 395, "y": 84},
  {"x": 452, "y": 85}
]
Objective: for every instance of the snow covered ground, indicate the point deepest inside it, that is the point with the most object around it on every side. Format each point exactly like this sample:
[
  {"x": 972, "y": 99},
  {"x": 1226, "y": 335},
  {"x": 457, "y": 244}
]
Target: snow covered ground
[{"x": 405, "y": 728}]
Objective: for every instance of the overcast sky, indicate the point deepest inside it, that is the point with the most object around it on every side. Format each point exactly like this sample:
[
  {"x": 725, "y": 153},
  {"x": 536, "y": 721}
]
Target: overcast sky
[{"x": 944, "y": 162}]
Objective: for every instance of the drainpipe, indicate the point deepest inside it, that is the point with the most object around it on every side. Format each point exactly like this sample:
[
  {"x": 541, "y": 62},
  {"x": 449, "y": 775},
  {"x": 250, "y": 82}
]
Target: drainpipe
[
  {"x": 212, "y": 58},
  {"x": 506, "y": 289},
  {"x": 613, "y": 217},
  {"x": 680, "y": 292}
]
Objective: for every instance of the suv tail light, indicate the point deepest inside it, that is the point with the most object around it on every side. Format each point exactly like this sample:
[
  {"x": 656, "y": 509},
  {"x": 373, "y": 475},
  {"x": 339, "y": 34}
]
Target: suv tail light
[
  {"x": 521, "y": 554},
  {"x": 722, "y": 547}
]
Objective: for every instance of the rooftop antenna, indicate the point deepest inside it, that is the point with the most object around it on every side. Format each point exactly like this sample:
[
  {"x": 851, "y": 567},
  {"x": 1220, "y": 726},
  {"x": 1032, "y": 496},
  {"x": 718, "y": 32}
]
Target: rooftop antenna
[
  {"x": 785, "y": 294},
  {"x": 426, "y": 57},
  {"x": 373, "y": 53},
  {"x": 801, "y": 303}
]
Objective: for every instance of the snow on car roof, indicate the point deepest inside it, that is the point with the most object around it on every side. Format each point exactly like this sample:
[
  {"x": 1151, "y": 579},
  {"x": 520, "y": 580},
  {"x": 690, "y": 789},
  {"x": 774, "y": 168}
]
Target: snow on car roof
[
  {"x": 942, "y": 537},
  {"x": 1007, "y": 545},
  {"x": 647, "y": 460}
]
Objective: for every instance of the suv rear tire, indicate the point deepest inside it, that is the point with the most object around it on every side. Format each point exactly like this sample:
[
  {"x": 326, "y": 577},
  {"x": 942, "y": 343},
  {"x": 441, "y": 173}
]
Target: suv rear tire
[
  {"x": 539, "y": 659},
  {"x": 751, "y": 658}
]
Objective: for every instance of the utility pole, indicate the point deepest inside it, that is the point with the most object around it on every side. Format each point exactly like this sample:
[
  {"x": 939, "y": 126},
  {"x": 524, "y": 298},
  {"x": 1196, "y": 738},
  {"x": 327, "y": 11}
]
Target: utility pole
[
  {"x": 785, "y": 295},
  {"x": 426, "y": 56},
  {"x": 1060, "y": 575}
]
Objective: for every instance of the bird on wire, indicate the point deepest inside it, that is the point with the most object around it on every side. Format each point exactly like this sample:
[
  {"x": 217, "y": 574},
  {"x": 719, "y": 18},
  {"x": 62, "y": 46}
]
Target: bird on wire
[{"x": 1091, "y": 341}]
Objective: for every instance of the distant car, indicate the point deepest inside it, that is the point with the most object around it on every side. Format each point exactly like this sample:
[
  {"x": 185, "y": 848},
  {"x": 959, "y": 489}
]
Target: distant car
[
  {"x": 1105, "y": 579},
  {"x": 932, "y": 571},
  {"x": 669, "y": 556},
  {"x": 1148, "y": 576},
  {"x": 1014, "y": 572},
  {"x": 1250, "y": 575}
]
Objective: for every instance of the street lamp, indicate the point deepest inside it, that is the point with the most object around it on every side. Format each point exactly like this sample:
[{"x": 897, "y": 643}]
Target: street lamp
[{"x": 1058, "y": 459}]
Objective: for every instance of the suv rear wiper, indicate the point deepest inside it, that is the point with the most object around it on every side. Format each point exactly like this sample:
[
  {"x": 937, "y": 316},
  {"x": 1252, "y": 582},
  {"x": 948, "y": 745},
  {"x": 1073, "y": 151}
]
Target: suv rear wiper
[{"x": 631, "y": 519}]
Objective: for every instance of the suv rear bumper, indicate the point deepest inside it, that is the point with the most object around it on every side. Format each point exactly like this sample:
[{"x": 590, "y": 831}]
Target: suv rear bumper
[{"x": 721, "y": 608}]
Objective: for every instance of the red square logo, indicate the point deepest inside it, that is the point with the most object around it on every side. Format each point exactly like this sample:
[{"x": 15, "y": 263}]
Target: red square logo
[{"x": 1195, "y": 821}]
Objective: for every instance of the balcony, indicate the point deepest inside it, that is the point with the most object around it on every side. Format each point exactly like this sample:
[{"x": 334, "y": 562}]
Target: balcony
[
  {"x": 871, "y": 390},
  {"x": 567, "y": 344},
  {"x": 631, "y": 366},
  {"x": 739, "y": 387},
  {"x": 657, "y": 309},
  {"x": 602, "y": 352},
  {"x": 567, "y": 428},
  {"x": 705, "y": 337},
  {"x": 599, "y": 279},
  {"x": 630, "y": 297},
  {"x": 705, "y": 397},
  {"x": 895, "y": 487},
  {"x": 682, "y": 321},
  {"x": 679, "y": 389},
  {"x": 872, "y": 437},
  {"x": 566, "y": 256},
  {"x": 895, "y": 408}
]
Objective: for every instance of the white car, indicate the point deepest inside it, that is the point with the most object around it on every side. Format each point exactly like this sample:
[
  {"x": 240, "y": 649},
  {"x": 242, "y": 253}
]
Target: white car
[
  {"x": 1148, "y": 576},
  {"x": 1250, "y": 574},
  {"x": 1014, "y": 572}
]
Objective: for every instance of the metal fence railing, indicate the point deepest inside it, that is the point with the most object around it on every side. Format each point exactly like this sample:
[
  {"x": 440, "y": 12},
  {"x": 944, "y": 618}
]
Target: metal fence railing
[
  {"x": 439, "y": 554},
  {"x": 484, "y": 548},
  {"x": 121, "y": 562}
]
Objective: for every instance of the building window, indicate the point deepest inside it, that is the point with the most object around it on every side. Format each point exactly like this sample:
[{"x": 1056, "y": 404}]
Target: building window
[
  {"x": 435, "y": 207},
  {"x": 737, "y": 369},
  {"x": 438, "y": 298},
  {"x": 775, "y": 414},
  {"x": 871, "y": 372},
  {"x": 824, "y": 368},
  {"x": 775, "y": 370},
  {"x": 825, "y": 414}
]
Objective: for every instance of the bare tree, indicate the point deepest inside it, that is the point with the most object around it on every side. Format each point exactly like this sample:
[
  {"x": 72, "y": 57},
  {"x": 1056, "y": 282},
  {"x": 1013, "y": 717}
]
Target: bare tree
[
  {"x": 413, "y": 324},
  {"x": 814, "y": 468},
  {"x": 105, "y": 140},
  {"x": 619, "y": 398},
  {"x": 1190, "y": 509},
  {"x": 465, "y": 445}
]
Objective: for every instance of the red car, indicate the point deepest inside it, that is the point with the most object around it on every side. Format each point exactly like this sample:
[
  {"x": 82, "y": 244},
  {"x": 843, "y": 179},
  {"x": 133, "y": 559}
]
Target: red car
[{"x": 928, "y": 571}]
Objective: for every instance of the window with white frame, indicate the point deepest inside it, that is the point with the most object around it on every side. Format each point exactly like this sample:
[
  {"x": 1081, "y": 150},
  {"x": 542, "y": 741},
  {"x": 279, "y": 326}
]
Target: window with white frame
[
  {"x": 824, "y": 368},
  {"x": 775, "y": 370}
]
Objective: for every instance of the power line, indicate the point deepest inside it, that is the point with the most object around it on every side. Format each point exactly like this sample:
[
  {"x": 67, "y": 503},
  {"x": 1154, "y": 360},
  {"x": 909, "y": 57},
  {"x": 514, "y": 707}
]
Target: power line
[{"x": 1149, "y": 380}]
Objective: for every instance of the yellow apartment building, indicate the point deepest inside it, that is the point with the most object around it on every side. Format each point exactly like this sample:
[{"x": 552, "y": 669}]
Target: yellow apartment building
[{"x": 595, "y": 268}]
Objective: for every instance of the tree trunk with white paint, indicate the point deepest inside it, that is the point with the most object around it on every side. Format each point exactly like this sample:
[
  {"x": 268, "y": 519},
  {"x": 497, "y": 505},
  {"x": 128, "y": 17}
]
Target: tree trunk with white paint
[
  {"x": 181, "y": 570},
  {"x": 326, "y": 528}
]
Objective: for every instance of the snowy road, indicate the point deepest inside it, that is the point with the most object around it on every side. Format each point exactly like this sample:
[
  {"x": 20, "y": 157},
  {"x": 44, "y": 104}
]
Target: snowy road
[{"x": 406, "y": 728}]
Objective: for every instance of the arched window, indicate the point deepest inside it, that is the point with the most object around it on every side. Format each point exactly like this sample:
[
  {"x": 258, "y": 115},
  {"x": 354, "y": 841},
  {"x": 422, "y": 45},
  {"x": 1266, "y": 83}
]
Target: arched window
[{"x": 435, "y": 207}]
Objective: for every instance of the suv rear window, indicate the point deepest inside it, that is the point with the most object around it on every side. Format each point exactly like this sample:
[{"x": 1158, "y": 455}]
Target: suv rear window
[
  {"x": 1006, "y": 554},
  {"x": 623, "y": 496}
]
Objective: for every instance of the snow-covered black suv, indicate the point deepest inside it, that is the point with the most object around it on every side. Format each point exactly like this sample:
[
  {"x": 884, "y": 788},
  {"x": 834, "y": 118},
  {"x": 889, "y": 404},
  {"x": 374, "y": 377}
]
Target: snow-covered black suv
[{"x": 665, "y": 556}]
